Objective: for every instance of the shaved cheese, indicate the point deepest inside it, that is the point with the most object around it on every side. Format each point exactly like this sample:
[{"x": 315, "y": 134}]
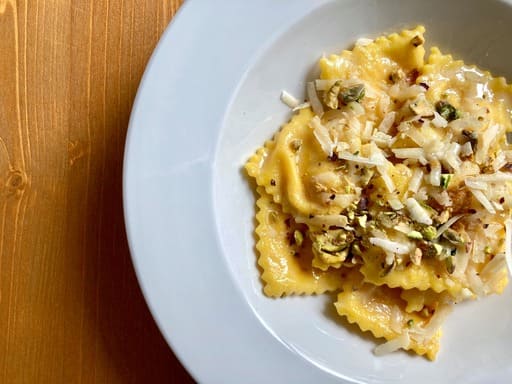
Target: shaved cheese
[
  {"x": 363, "y": 41},
  {"x": 372, "y": 161},
  {"x": 470, "y": 183},
  {"x": 451, "y": 156},
  {"x": 439, "y": 121},
  {"x": 384, "y": 102},
  {"x": 410, "y": 153},
  {"x": 416, "y": 136},
  {"x": 341, "y": 200},
  {"x": 493, "y": 267},
  {"x": 383, "y": 139},
  {"x": 448, "y": 224},
  {"x": 475, "y": 283},
  {"x": 387, "y": 122},
  {"x": 357, "y": 108},
  {"x": 436, "y": 321},
  {"x": 487, "y": 139},
  {"x": 316, "y": 104},
  {"x": 415, "y": 181},
  {"x": 435, "y": 173},
  {"x": 388, "y": 181},
  {"x": 395, "y": 203},
  {"x": 391, "y": 246},
  {"x": 480, "y": 196},
  {"x": 466, "y": 149},
  {"x": 499, "y": 161},
  {"x": 442, "y": 198},
  {"x": 305, "y": 105},
  {"x": 508, "y": 244},
  {"x": 403, "y": 228},
  {"x": 322, "y": 135},
  {"x": 417, "y": 212},
  {"x": 327, "y": 220},
  {"x": 400, "y": 342},
  {"x": 492, "y": 177},
  {"x": 289, "y": 100},
  {"x": 396, "y": 319},
  {"x": 367, "y": 131}
]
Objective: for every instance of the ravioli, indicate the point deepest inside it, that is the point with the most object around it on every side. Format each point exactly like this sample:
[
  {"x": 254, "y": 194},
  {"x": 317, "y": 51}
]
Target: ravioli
[
  {"x": 286, "y": 264},
  {"x": 382, "y": 311},
  {"x": 391, "y": 185}
]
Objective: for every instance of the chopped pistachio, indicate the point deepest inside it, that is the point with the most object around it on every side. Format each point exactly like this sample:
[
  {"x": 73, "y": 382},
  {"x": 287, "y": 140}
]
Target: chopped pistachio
[
  {"x": 416, "y": 256},
  {"x": 356, "y": 249},
  {"x": 370, "y": 225},
  {"x": 450, "y": 264},
  {"x": 387, "y": 219},
  {"x": 487, "y": 249},
  {"x": 429, "y": 232},
  {"x": 447, "y": 110},
  {"x": 415, "y": 235},
  {"x": 452, "y": 236},
  {"x": 443, "y": 217},
  {"x": 298, "y": 237},
  {"x": 417, "y": 40},
  {"x": 355, "y": 93},
  {"x": 381, "y": 202},
  {"x": 332, "y": 246},
  {"x": 438, "y": 248},
  {"x": 410, "y": 323},
  {"x": 430, "y": 250},
  {"x": 445, "y": 180},
  {"x": 331, "y": 96},
  {"x": 362, "y": 221}
]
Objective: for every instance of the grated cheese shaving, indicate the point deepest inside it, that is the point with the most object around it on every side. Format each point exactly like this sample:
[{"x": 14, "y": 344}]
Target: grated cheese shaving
[
  {"x": 401, "y": 342},
  {"x": 316, "y": 104},
  {"x": 390, "y": 246},
  {"x": 322, "y": 135},
  {"x": 417, "y": 212},
  {"x": 480, "y": 196},
  {"x": 289, "y": 100},
  {"x": 387, "y": 122}
]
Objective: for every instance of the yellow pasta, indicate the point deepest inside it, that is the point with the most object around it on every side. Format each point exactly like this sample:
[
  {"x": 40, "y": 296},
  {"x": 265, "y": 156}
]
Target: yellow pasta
[
  {"x": 286, "y": 265},
  {"x": 393, "y": 187},
  {"x": 381, "y": 311}
]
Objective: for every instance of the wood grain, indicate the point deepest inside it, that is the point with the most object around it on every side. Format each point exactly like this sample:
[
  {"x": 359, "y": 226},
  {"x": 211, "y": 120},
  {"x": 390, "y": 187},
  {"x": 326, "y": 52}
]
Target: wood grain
[{"x": 71, "y": 310}]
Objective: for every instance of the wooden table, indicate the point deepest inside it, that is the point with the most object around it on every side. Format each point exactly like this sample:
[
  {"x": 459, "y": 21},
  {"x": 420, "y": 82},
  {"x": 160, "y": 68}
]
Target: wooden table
[{"x": 71, "y": 310}]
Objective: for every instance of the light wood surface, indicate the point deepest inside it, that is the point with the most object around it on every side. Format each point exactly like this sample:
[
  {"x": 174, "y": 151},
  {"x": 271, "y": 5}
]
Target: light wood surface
[{"x": 71, "y": 310}]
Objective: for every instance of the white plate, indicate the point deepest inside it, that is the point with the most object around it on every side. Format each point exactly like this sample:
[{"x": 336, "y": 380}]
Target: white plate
[{"x": 209, "y": 98}]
